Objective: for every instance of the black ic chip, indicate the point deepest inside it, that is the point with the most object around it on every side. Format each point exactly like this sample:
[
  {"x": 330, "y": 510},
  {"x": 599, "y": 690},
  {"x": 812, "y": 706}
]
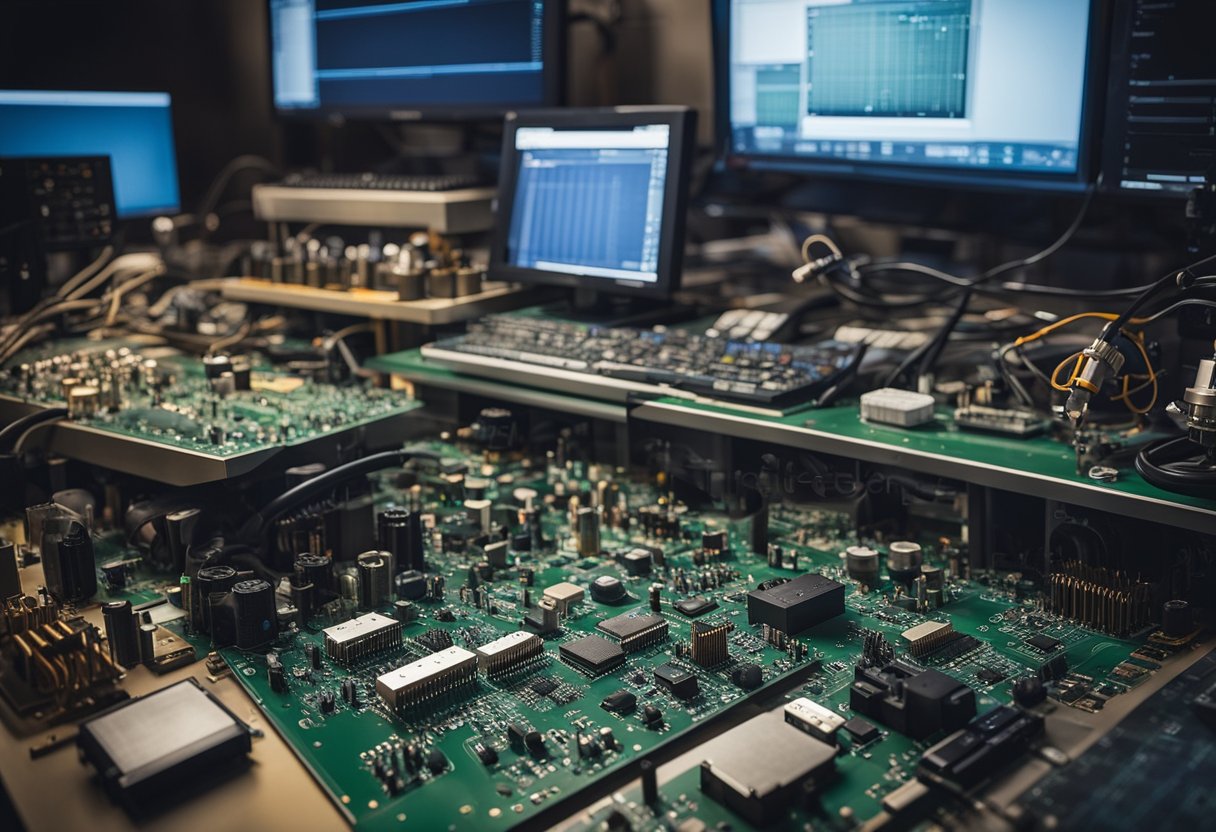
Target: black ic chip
[
  {"x": 1043, "y": 643},
  {"x": 861, "y": 730},
  {"x": 543, "y": 686},
  {"x": 697, "y": 605},
  {"x": 620, "y": 702},
  {"x": 592, "y": 654},
  {"x": 989, "y": 676},
  {"x": 680, "y": 683}
]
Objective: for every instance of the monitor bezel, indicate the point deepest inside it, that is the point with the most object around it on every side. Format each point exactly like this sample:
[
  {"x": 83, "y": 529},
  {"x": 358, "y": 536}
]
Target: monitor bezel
[
  {"x": 173, "y": 132},
  {"x": 553, "y": 78},
  {"x": 1088, "y": 155},
  {"x": 681, "y": 122}
]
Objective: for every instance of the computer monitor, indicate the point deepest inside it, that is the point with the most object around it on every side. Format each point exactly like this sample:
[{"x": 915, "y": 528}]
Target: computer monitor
[
  {"x": 424, "y": 59},
  {"x": 973, "y": 92},
  {"x": 135, "y": 129},
  {"x": 1161, "y": 124},
  {"x": 594, "y": 199}
]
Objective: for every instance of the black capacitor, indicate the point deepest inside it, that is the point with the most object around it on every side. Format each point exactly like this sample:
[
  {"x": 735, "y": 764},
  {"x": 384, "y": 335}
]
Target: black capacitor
[
  {"x": 302, "y": 599},
  {"x": 10, "y": 577},
  {"x": 114, "y": 574},
  {"x": 313, "y": 652},
  {"x": 67, "y": 560},
  {"x": 122, "y": 632},
  {"x": 650, "y": 782},
  {"x": 275, "y": 674},
  {"x": 1028, "y": 691},
  {"x": 147, "y": 642},
  {"x": 318, "y": 571},
  {"x": 1177, "y": 619},
  {"x": 209, "y": 580},
  {"x": 496, "y": 429},
  {"x": 255, "y": 613},
  {"x": 326, "y": 701},
  {"x": 375, "y": 579},
  {"x": 656, "y": 595},
  {"x": 400, "y": 532},
  {"x": 215, "y": 366}
]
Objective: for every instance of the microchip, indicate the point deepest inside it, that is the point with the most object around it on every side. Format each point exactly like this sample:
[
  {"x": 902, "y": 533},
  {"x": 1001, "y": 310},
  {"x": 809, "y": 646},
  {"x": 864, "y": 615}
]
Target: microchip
[
  {"x": 635, "y": 630},
  {"x": 435, "y": 640},
  {"x": 678, "y": 682},
  {"x": 543, "y": 686},
  {"x": 619, "y": 702},
  {"x": 862, "y": 731},
  {"x": 147, "y": 747},
  {"x": 697, "y": 605},
  {"x": 989, "y": 676},
  {"x": 1043, "y": 643},
  {"x": 592, "y": 654}
]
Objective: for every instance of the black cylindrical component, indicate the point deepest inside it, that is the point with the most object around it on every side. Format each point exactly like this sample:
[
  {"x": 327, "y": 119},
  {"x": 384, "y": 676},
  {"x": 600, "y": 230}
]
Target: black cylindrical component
[
  {"x": 400, "y": 533},
  {"x": 1177, "y": 619},
  {"x": 216, "y": 365},
  {"x": 588, "y": 520},
  {"x": 861, "y": 562},
  {"x": 10, "y": 576},
  {"x": 67, "y": 560},
  {"x": 209, "y": 580},
  {"x": 302, "y": 599},
  {"x": 656, "y": 595},
  {"x": 375, "y": 579},
  {"x": 496, "y": 428},
  {"x": 122, "y": 632},
  {"x": 759, "y": 530},
  {"x": 650, "y": 782},
  {"x": 256, "y": 617},
  {"x": 147, "y": 642},
  {"x": 904, "y": 559},
  {"x": 316, "y": 571}
]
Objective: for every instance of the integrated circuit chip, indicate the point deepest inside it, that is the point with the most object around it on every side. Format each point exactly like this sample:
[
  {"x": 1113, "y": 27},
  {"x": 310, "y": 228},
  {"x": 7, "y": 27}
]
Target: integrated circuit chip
[
  {"x": 635, "y": 630},
  {"x": 593, "y": 655},
  {"x": 692, "y": 607},
  {"x": 1043, "y": 643}
]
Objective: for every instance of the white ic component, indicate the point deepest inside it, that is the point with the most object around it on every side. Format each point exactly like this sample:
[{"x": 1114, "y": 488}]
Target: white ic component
[
  {"x": 889, "y": 406},
  {"x": 438, "y": 674},
  {"x": 509, "y": 651},
  {"x": 362, "y": 636},
  {"x": 564, "y": 596},
  {"x": 814, "y": 719}
]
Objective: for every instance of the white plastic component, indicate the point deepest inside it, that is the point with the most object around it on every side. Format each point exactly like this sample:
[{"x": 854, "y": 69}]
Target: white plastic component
[
  {"x": 437, "y": 674},
  {"x": 904, "y": 408},
  {"x": 814, "y": 719}
]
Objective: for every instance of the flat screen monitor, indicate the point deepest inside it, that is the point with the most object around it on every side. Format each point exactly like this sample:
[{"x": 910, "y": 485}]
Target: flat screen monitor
[
  {"x": 419, "y": 59},
  {"x": 941, "y": 91},
  {"x": 594, "y": 199},
  {"x": 135, "y": 129},
  {"x": 1161, "y": 116}
]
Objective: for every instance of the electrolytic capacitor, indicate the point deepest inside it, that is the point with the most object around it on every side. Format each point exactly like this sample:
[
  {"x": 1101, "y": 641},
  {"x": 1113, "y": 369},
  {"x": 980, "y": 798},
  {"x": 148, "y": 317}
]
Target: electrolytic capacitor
[
  {"x": 122, "y": 633},
  {"x": 588, "y": 526},
  {"x": 375, "y": 579}
]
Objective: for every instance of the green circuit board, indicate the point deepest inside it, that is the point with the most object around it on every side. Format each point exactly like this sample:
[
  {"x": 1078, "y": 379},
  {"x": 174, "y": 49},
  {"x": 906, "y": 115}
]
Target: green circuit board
[
  {"x": 348, "y": 747},
  {"x": 157, "y": 394}
]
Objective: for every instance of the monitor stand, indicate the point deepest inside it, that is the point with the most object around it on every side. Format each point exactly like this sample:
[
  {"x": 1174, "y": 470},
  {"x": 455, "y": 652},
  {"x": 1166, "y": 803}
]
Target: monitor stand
[{"x": 590, "y": 306}]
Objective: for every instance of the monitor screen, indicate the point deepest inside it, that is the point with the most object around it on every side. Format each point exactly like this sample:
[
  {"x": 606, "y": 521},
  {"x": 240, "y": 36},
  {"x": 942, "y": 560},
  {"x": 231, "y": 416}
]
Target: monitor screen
[
  {"x": 135, "y": 129},
  {"x": 961, "y": 90},
  {"x": 1161, "y": 134},
  {"x": 420, "y": 58},
  {"x": 594, "y": 199}
]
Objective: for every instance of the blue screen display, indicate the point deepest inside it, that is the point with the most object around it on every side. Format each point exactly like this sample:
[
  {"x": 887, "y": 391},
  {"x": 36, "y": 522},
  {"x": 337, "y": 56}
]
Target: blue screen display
[
  {"x": 134, "y": 129},
  {"x": 590, "y": 202},
  {"x": 382, "y": 55}
]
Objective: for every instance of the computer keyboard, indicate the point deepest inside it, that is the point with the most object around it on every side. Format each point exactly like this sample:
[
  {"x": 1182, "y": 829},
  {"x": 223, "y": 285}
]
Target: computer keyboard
[
  {"x": 608, "y": 362},
  {"x": 382, "y": 181}
]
